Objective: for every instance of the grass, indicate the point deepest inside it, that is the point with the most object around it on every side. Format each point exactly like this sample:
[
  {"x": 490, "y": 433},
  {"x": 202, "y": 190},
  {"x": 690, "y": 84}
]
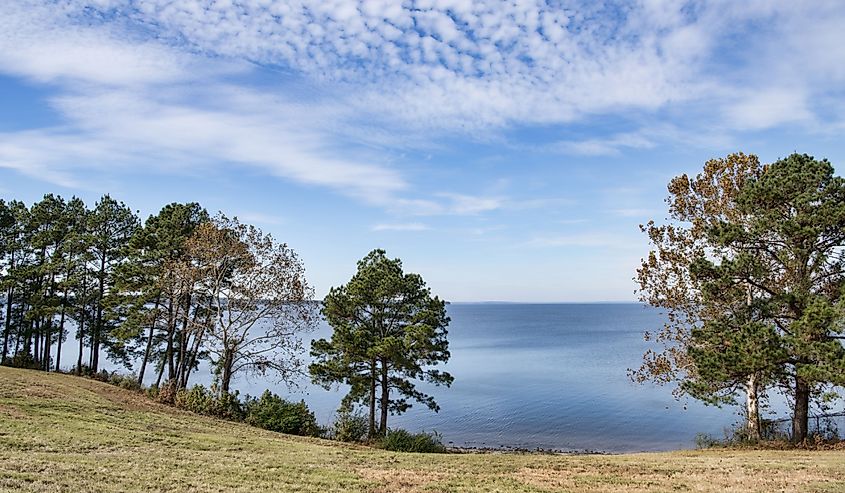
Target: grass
[{"x": 63, "y": 433}]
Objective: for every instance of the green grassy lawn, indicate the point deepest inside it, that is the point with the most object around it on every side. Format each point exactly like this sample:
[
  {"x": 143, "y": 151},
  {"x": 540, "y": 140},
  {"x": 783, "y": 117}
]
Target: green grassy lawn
[{"x": 63, "y": 433}]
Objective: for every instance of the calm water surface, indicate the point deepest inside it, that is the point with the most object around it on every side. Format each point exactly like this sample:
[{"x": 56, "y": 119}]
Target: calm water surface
[{"x": 551, "y": 376}]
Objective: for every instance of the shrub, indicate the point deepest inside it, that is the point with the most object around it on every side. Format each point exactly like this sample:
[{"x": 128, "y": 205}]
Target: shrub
[
  {"x": 197, "y": 400},
  {"x": 83, "y": 370},
  {"x": 22, "y": 360},
  {"x": 166, "y": 394},
  {"x": 152, "y": 392},
  {"x": 705, "y": 441},
  {"x": 128, "y": 382},
  {"x": 201, "y": 400},
  {"x": 271, "y": 412},
  {"x": 228, "y": 406},
  {"x": 102, "y": 375},
  {"x": 404, "y": 441},
  {"x": 349, "y": 426}
]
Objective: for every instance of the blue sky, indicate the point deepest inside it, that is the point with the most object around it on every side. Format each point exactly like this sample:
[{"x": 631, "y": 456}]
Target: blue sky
[{"x": 504, "y": 150}]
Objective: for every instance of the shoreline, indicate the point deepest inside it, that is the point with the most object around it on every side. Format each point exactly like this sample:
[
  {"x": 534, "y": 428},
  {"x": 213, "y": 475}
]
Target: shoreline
[{"x": 527, "y": 451}]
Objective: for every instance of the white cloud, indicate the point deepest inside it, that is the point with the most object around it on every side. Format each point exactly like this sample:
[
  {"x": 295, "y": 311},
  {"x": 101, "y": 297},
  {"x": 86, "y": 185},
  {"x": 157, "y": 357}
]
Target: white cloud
[
  {"x": 583, "y": 240},
  {"x": 39, "y": 43},
  {"x": 770, "y": 107},
  {"x": 260, "y": 218},
  {"x": 444, "y": 64},
  {"x": 605, "y": 146},
  {"x": 462, "y": 204},
  {"x": 131, "y": 103},
  {"x": 400, "y": 227},
  {"x": 155, "y": 80},
  {"x": 475, "y": 65}
]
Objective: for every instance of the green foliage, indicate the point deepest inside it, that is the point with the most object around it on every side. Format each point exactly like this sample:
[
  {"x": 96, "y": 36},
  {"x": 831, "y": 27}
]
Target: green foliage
[
  {"x": 152, "y": 392},
  {"x": 128, "y": 382},
  {"x": 349, "y": 426},
  {"x": 753, "y": 274},
  {"x": 200, "y": 400},
  {"x": 274, "y": 413},
  {"x": 388, "y": 332},
  {"x": 22, "y": 360},
  {"x": 197, "y": 399},
  {"x": 82, "y": 370},
  {"x": 404, "y": 441}
]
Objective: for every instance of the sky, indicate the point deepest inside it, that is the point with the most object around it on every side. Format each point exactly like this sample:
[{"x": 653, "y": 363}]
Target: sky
[{"x": 505, "y": 150}]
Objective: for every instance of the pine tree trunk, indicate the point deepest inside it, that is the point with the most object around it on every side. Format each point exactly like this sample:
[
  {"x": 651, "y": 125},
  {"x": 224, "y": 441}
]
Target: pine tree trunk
[
  {"x": 27, "y": 340},
  {"x": 48, "y": 339},
  {"x": 371, "y": 433},
  {"x": 193, "y": 353},
  {"x": 146, "y": 355},
  {"x": 48, "y": 328},
  {"x": 171, "y": 329},
  {"x": 98, "y": 326},
  {"x": 385, "y": 398},
  {"x": 160, "y": 374},
  {"x": 184, "y": 340},
  {"x": 149, "y": 349},
  {"x": 81, "y": 334},
  {"x": 802, "y": 406},
  {"x": 61, "y": 333},
  {"x": 81, "y": 331},
  {"x": 36, "y": 349},
  {"x": 8, "y": 324}
]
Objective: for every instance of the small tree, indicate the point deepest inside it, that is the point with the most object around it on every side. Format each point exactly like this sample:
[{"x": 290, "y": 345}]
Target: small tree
[
  {"x": 259, "y": 300},
  {"x": 388, "y": 332}
]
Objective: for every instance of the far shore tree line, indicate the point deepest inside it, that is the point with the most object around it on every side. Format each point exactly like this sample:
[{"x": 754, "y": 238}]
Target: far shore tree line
[
  {"x": 185, "y": 287},
  {"x": 750, "y": 268}
]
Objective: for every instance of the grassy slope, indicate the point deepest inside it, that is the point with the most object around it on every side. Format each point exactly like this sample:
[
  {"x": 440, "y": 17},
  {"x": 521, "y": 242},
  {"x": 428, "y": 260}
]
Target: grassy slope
[{"x": 62, "y": 433}]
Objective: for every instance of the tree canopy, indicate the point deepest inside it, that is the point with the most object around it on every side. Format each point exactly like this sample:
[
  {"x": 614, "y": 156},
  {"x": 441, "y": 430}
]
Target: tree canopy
[
  {"x": 750, "y": 272},
  {"x": 388, "y": 332}
]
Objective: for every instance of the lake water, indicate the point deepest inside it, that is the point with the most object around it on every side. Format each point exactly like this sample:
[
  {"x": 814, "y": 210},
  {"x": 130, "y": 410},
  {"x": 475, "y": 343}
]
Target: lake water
[
  {"x": 554, "y": 376},
  {"x": 550, "y": 376}
]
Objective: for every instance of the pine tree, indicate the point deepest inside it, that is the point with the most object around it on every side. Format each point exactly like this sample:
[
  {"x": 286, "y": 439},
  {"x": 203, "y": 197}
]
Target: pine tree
[
  {"x": 388, "y": 330},
  {"x": 112, "y": 224},
  {"x": 797, "y": 235},
  {"x": 149, "y": 287}
]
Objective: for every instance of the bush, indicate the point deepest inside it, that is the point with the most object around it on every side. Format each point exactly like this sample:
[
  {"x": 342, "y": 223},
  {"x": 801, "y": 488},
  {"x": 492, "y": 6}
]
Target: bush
[
  {"x": 271, "y": 412},
  {"x": 201, "y": 400},
  {"x": 83, "y": 370},
  {"x": 349, "y": 427},
  {"x": 705, "y": 441},
  {"x": 22, "y": 360},
  {"x": 166, "y": 394},
  {"x": 197, "y": 399},
  {"x": 128, "y": 382},
  {"x": 404, "y": 441},
  {"x": 228, "y": 406},
  {"x": 152, "y": 392}
]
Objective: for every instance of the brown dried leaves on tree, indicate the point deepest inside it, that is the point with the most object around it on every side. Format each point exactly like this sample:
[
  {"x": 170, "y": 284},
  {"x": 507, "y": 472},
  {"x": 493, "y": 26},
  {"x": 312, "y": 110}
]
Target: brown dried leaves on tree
[
  {"x": 257, "y": 297},
  {"x": 664, "y": 275}
]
